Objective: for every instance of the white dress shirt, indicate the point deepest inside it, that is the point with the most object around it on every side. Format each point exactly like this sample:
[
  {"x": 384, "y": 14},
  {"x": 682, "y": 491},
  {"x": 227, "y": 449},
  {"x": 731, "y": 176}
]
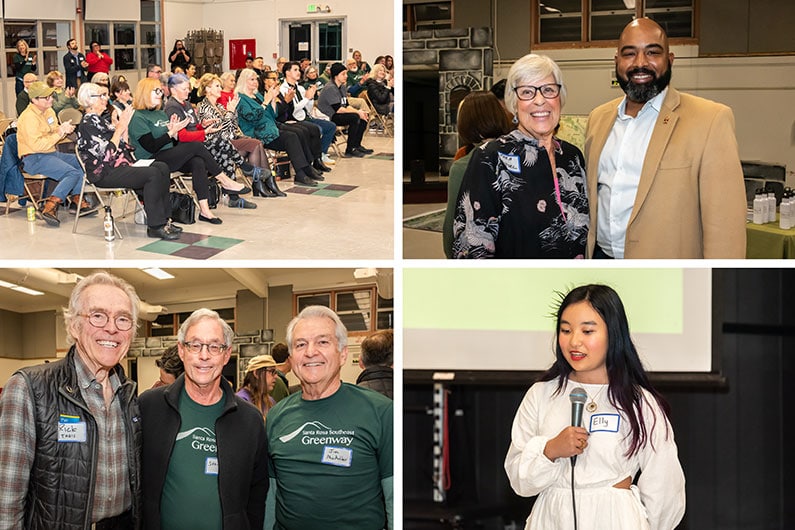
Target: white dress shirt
[{"x": 620, "y": 165}]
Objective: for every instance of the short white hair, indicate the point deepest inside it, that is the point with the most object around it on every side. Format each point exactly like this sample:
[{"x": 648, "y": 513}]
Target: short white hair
[{"x": 530, "y": 70}]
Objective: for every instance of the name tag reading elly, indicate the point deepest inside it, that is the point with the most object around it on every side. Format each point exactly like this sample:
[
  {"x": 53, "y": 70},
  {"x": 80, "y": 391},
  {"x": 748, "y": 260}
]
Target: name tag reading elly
[
  {"x": 71, "y": 429},
  {"x": 337, "y": 456},
  {"x": 605, "y": 423}
]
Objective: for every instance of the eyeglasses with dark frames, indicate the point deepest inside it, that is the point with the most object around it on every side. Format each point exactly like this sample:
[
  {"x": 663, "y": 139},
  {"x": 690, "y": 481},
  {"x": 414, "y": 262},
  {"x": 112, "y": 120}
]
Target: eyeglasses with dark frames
[
  {"x": 528, "y": 92},
  {"x": 195, "y": 347},
  {"x": 158, "y": 91},
  {"x": 98, "y": 319}
]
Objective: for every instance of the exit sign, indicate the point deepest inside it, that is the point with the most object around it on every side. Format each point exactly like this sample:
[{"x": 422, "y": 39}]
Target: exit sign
[{"x": 312, "y": 8}]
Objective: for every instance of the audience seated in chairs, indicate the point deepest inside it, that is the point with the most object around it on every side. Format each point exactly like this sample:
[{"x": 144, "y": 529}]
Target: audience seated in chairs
[
  {"x": 108, "y": 159},
  {"x": 154, "y": 135},
  {"x": 23, "y": 98},
  {"x": 256, "y": 115},
  {"x": 333, "y": 102},
  {"x": 38, "y": 133},
  {"x": 298, "y": 103},
  {"x": 380, "y": 90},
  {"x": 210, "y": 109},
  {"x": 62, "y": 98},
  {"x": 206, "y": 131}
]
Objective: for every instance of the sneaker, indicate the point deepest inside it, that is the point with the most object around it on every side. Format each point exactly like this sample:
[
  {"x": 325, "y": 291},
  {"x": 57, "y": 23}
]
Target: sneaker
[
  {"x": 241, "y": 203},
  {"x": 328, "y": 160}
]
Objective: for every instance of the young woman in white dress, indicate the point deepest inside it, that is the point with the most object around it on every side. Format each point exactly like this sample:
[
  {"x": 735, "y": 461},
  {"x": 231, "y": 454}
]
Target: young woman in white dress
[{"x": 625, "y": 430}]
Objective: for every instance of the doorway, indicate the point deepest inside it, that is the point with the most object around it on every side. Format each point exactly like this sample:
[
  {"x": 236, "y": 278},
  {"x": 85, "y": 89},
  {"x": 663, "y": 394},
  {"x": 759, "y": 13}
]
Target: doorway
[{"x": 321, "y": 40}]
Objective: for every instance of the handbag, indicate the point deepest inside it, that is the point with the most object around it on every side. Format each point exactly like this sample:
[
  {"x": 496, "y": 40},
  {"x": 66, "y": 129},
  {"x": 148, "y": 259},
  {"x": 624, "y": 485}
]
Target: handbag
[
  {"x": 213, "y": 194},
  {"x": 183, "y": 209}
]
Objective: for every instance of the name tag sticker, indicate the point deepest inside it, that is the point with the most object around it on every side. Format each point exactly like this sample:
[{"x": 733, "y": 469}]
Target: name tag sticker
[
  {"x": 605, "y": 423},
  {"x": 211, "y": 465},
  {"x": 337, "y": 456},
  {"x": 50, "y": 120},
  {"x": 71, "y": 429},
  {"x": 511, "y": 162}
]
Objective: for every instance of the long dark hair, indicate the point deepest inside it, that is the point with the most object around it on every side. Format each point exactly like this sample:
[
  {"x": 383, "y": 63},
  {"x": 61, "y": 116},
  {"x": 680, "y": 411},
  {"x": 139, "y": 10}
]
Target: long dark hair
[{"x": 626, "y": 377}]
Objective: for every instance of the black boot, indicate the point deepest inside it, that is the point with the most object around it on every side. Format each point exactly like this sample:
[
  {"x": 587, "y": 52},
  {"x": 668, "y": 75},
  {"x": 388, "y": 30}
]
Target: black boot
[
  {"x": 270, "y": 184},
  {"x": 314, "y": 173},
  {"x": 260, "y": 189},
  {"x": 320, "y": 166}
]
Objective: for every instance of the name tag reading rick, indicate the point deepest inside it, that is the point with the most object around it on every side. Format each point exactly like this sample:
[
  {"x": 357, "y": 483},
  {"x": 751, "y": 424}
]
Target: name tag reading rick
[
  {"x": 337, "y": 456},
  {"x": 71, "y": 429},
  {"x": 511, "y": 162},
  {"x": 605, "y": 423}
]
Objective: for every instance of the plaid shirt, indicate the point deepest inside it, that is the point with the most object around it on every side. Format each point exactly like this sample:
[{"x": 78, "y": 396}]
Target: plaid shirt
[{"x": 112, "y": 494}]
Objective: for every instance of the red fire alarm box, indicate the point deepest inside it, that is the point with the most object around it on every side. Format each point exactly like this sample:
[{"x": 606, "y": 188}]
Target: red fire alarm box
[{"x": 239, "y": 49}]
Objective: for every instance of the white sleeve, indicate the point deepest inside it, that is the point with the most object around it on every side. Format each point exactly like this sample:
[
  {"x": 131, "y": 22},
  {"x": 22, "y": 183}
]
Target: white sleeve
[
  {"x": 662, "y": 481},
  {"x": 528, "y": 470},
  {"x": 304, "y": 102}
]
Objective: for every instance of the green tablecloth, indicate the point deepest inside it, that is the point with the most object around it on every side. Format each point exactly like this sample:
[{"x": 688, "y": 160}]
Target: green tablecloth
[{"x": 768, "y": 241}]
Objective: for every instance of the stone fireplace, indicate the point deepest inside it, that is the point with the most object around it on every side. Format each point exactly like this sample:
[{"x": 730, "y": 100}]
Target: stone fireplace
[{"x": 463, "y": 59}]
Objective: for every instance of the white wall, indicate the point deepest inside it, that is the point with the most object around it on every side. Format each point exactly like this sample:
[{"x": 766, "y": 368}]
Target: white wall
[
  {"x": 760, "y": 90},
  {"x": 370, "y": 26}
]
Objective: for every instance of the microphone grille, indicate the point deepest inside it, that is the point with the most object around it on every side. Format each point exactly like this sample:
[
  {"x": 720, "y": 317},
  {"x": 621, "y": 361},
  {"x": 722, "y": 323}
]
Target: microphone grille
[{"x": 578, "y": 395}]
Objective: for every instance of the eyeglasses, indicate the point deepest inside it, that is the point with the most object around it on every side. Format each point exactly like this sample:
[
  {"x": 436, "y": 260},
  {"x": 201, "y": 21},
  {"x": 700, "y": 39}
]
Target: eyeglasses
[
  {"x": 157, "y": 91},
  {"x": 528, "y": 92},
  {"x": 271, "y": 371},
  {"x": 99, "y": 319},
  {"x": 196, "y": 347},
  {"x": 157, "y": 72},
  {"x": 104, "y": 96},
  {"x": 43, "y": 97}
]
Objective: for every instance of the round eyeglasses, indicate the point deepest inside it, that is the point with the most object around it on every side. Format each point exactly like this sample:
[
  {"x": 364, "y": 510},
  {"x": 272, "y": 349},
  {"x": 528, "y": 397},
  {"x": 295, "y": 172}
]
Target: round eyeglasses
[
  {"x": 99, "y": 319},
  {"x": 528, "y": 92},
  {"x": 196, "y": 347}
]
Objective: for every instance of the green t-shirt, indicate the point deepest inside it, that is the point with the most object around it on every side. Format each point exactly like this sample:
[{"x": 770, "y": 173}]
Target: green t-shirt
[
  {"x": 280, "y": 390},
  {"x": 190, "y": 494},
  {"x": 147, "y": 121},
  {"x": 331, "y": 455}
]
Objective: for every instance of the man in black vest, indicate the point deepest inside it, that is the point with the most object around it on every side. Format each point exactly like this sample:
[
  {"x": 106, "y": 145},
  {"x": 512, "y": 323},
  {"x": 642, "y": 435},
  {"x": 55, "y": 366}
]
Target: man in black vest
[{"x": 73, "y": 425}]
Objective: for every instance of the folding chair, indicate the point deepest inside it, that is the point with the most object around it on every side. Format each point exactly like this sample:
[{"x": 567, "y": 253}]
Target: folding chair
[
  {"x": 273, "y": 160},
  {"x": 127, "y": 193},
  {"x": 381, "y": 120},
  {"x": 340, "y": 140},
  {"x": 179, "y": 184}
]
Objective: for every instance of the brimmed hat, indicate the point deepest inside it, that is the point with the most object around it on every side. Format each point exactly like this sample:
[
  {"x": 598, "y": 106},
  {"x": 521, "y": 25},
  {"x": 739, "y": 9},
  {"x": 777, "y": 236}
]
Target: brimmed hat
[
  {"x": 39, "y": 90},
  {"x": 260, "y": 361},
  {"x": 336, "y": 68}
]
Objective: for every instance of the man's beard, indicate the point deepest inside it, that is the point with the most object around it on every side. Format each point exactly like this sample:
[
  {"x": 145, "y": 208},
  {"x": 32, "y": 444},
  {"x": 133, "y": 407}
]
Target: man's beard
[{"x": 641, "y": 93}]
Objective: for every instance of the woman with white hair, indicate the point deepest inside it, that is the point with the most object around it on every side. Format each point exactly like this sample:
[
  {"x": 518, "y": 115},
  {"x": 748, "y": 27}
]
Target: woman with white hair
[
  {"x": 109, "y": 158},
  {"x": 523, "y": 195}
]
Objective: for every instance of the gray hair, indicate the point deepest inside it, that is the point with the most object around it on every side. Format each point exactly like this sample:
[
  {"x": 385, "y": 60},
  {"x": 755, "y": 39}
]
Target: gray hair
[
  {"x": 530, "y": 70},
  {"x": 201, "y": 314},
  {"x": 245, "y": 75},
  {"x": 85, "y": 92},
  {"x": 98, "y": 278},
  {"x": 315, "y": 311}
]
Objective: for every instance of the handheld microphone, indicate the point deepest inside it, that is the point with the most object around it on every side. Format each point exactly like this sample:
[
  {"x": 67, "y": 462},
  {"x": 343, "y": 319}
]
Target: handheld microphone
[{"x": 578, "y": 397}]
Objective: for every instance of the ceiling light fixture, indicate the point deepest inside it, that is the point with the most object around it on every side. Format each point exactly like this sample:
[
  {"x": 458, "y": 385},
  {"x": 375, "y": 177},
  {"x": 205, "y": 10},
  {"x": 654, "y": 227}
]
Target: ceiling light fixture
[
  {"x": 20, "y": 289},
  {"x": 155, "y": 272}
]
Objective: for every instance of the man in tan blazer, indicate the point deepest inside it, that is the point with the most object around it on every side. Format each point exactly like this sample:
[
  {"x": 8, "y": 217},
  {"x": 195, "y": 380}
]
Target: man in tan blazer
[{"x": 664, "y": 173}]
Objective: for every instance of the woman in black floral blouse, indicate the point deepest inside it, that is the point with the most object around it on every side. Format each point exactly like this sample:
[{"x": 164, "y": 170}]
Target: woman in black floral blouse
[
  {"x": 523, "y": 194},
  {"x": 109, "y": 159}
]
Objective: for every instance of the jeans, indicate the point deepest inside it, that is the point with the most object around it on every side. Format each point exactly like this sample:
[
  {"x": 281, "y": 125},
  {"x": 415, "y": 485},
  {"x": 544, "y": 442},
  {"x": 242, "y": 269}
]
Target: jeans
[
  {"x": 62, "y": 167},
  {"x": 327, "y": 131}
]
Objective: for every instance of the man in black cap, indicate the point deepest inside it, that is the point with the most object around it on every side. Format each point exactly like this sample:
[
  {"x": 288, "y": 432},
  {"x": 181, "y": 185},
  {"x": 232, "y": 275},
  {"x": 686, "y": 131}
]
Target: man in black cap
[{"x": 333, "y": 102}]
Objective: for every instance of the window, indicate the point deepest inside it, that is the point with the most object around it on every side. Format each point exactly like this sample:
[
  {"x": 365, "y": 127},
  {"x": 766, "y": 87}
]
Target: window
[
  {"x": 168, "y": 325},
  {"x": 117, "y": 39},
  {"x": 361, "y": 309},
  {"x": 151, "y": 38},
  {"x": 322, "y": 41},
  {"x": 567, "y": 21},
  {"x": 44, "y": 40}
]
